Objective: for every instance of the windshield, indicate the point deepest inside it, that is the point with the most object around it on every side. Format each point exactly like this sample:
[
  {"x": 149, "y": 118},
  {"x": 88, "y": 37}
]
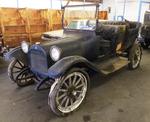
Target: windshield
[
  {"x": 74, "y": 25},
  {"x": 82, "y": 24},
  {"x": 80, "y": 17}
]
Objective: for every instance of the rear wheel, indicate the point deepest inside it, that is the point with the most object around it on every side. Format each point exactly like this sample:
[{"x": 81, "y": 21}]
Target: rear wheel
[
  {"x": 146, "y": 43},
  {"x": 20, "y": 73},
  {"x": 68, "y": 92},
  {"x": 135, "y": 55},
  {"x": 145, "y": 46}
]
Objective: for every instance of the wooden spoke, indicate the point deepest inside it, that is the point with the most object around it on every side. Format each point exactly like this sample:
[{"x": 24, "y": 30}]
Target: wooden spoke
[
  {"x": 77, "y": 82},
  {"x": 63, "y": 100},
  {"x": 20, "y": 63},
  {"x": 74, "y": 79},
  {"x": 77, "y": 87},
  {"x": 62, "y": 96},
  {"x": 67, "y": 102},
  {"x": 62, "y": 90}
]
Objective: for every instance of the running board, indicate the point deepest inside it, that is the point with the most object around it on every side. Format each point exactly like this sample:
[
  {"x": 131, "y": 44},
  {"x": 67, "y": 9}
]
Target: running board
[{"x": 112, "y": 65}]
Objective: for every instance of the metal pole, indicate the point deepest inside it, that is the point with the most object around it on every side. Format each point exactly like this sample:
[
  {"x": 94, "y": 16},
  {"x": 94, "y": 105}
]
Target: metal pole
[
  {"x": 17, "y": 3},
  {"x": 139, "y": 11},
  {"x": 61, "y": 3},
  {"x": 51, "y": 4},
  {"x": 124, "y": 8},
  {"x": 114, "y": 18}
]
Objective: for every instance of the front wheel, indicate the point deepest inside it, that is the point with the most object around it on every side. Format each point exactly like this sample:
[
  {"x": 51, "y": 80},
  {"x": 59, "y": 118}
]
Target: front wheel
[
  {"x": 68, "y": 92},
  {"x": 135, "y": 55},
  {"x": 19, "y": 73}
]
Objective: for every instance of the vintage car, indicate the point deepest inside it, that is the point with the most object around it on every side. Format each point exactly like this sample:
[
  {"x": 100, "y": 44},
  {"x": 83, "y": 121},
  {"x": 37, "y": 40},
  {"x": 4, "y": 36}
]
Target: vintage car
[
  {"x": 66, "y": 64},
  {"x": 145, "y": 31}
]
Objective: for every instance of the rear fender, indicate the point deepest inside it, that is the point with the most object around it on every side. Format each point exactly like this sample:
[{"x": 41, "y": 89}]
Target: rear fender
[
  {"x": 63, "y": 65},
  {"x": 18, "y": 54}
]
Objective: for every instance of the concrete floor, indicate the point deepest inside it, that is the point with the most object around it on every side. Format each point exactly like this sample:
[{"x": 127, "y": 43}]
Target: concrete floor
[{"x": 122, "y": 97}]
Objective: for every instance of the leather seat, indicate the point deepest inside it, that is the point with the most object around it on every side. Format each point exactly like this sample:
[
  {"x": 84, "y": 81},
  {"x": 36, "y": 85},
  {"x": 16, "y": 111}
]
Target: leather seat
[{"x": 117, "y": 31}]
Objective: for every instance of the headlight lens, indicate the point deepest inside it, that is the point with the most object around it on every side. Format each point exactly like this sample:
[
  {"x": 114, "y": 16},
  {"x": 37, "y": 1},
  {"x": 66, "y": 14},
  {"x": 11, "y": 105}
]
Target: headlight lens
[
  {"x": 25, "y": 47},
  {"x": 55, "y": 53}
]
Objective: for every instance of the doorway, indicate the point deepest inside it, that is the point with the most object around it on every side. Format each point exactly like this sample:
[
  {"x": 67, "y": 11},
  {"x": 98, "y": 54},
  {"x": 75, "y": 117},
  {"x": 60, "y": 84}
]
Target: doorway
[{"x": 143, "y": 7}]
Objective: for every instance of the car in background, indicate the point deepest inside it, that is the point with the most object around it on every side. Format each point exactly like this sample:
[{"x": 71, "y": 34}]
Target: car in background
[
  {"x": 3, "y": 49},
  {"x": 145, "y": 31}
]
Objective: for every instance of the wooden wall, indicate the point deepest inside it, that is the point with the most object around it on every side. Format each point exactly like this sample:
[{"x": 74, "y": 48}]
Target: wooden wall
[{"x": 21, "y": 24}]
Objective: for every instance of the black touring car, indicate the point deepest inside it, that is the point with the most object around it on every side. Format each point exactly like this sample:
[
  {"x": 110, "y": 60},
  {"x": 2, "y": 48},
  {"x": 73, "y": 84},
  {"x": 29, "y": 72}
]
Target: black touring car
[
  {"x": 145, "y": 31},
  {"x": 65, "y": 63}
]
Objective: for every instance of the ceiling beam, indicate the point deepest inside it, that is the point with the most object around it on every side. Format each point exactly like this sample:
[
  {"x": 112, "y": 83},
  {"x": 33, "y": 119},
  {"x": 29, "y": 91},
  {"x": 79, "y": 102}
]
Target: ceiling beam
[{"x": 95, "y": 1}]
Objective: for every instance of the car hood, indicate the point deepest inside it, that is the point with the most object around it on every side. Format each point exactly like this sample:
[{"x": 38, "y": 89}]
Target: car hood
[
  {"x": 53, "y": 34},
  {"x": 71, "y": 43},
  {"x": 67, "y": 37}
]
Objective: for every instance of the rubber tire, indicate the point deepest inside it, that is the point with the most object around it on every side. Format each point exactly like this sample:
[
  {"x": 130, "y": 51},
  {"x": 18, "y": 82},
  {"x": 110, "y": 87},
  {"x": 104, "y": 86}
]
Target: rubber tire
[
  {"x": 131, "y": 54},
  {"x": 145, "y": 46},
  {"x": 51, "y": 98},
  {"x": 10, "y": 67}
]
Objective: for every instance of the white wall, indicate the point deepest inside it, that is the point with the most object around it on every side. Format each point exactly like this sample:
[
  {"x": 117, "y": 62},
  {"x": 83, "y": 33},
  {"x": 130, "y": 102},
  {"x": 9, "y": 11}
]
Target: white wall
[
  {"x": 40, "y": 4},
  {"x": 112, "y": 4},
  {"x": 6, "y": 3},
  {"x": 55, "y": 4},
  {"x": 131, "y": 9}
]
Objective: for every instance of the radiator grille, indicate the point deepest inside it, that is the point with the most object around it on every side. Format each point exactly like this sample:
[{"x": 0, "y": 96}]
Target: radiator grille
[{"x": 38, "y": 61}]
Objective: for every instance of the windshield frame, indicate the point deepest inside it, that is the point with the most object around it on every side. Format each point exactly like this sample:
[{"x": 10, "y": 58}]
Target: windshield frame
[{"x": 82, "y": 5}]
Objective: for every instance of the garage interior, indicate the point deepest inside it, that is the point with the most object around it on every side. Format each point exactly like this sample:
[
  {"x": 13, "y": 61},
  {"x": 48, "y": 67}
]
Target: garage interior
[{"x": 123, "y": 96}]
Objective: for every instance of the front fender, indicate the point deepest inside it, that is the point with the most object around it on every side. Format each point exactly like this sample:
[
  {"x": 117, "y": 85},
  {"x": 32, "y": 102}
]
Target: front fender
[
  {"x": 18, "y": 54},
  {"x": 63, "y": 65}
]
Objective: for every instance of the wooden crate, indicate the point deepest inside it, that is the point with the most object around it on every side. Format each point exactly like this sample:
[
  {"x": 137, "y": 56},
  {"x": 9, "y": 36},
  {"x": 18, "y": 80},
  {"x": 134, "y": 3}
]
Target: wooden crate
[
  {"x": 13, "y": 27},
  {"x": 36, "y": 22},
  {"x": 55, "y": 19},
  {"x": 103, "y": 15}
]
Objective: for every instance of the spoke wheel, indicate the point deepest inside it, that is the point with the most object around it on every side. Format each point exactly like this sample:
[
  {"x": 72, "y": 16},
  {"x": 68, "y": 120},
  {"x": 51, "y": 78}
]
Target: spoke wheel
[
  {"x": 20, "y": 73},
  {"x": 135, "y": 56},
  {"x": 24, "y": 78},
  {"x": 145, "y": 46},
  {"x": 69, "y": 92},
  {"x": 14, "y": 68}
]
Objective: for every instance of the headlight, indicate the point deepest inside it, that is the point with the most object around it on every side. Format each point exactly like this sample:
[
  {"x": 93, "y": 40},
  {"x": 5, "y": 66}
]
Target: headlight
[
  {"x": 55, "y": 53},
  {"x": 25, "y": 47}
]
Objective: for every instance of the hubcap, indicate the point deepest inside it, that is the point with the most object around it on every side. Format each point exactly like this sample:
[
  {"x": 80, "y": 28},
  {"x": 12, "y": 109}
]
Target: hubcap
[
  {"x": 137, "y": 57},
  {"x": 72, "y": 92}
]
